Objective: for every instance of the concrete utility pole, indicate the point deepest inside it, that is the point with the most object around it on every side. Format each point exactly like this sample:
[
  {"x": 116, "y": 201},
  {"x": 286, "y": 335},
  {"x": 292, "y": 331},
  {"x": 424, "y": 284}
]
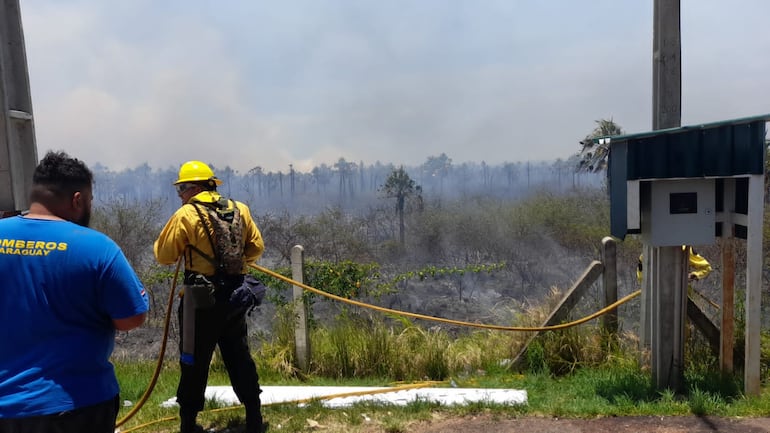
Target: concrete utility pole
[
  {"x": 18, "y": 152},
  {"x": 666, "y": 66},
  {"x": 666, "y": 268}
]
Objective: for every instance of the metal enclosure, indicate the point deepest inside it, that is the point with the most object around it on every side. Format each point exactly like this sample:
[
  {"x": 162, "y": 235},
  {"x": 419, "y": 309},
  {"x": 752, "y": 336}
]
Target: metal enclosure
[
  {"x": 679, "y": 212},
  {"x": 708, "y": 153}
]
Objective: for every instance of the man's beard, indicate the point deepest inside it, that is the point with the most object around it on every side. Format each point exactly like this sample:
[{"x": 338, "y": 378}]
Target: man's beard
[{"x": 84, "y": 219}]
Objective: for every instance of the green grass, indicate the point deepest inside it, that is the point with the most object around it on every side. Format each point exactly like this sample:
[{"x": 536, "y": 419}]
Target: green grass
[
  {"x": 611, "y": 390},
  {"x": 570, "y": 373}
]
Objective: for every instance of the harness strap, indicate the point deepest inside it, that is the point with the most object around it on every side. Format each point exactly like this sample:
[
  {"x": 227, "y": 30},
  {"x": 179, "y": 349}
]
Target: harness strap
[{"x": 215, "y": 260}]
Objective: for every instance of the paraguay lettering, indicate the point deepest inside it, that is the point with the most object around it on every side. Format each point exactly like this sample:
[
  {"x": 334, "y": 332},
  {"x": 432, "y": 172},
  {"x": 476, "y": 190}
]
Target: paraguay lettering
[{"x": 25, "y": 247}]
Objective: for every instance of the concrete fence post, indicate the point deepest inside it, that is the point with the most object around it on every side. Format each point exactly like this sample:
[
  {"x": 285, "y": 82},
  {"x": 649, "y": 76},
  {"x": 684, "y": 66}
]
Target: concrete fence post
[{"x": 301, "y": 335}]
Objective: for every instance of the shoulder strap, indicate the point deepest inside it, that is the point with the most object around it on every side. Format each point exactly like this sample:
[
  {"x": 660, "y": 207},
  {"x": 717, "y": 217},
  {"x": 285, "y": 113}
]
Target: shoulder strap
[{"x": 213, "y": 260}]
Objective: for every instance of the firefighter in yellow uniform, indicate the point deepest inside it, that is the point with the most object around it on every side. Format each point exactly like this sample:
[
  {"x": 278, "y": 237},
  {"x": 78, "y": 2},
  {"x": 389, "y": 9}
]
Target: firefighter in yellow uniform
[
  {"x": 211, "y": 318},
  {"x": 700, "y": 268}
]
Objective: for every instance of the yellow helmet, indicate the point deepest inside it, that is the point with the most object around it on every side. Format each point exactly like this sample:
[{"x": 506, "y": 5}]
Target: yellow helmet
[{"x": 196, "y": 171}]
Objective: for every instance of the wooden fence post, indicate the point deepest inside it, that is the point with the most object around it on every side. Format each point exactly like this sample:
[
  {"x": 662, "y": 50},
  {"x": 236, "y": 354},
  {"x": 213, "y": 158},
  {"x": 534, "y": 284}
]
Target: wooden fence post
[
  {"x": 301, "y": 336},
  {"x": 573, "y": 295}
]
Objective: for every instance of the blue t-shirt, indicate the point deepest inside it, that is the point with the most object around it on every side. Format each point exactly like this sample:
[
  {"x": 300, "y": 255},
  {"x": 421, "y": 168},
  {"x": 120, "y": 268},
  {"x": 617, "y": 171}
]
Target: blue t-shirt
[{"x": 61, "y": 285}]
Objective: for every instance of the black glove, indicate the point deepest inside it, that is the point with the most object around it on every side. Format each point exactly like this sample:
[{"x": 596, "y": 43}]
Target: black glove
[{"x": 248, "y": 295}]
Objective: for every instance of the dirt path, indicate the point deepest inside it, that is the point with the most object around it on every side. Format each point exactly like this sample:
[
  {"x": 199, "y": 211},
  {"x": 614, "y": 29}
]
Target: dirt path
[{"x": 684, "y": 424}]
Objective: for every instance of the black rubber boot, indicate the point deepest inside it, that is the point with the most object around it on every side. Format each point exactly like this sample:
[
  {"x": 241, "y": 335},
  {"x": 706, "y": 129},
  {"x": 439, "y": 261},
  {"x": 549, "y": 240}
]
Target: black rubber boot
[
  {"x": 254, "y": 423},
  {"x": 187, "y": 424}
]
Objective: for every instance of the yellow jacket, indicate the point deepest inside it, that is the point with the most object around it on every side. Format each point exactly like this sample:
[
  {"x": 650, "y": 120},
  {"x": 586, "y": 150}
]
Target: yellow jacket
[
  {"x": 185, "y": 228},
  {"x": 699, "y": 266}
]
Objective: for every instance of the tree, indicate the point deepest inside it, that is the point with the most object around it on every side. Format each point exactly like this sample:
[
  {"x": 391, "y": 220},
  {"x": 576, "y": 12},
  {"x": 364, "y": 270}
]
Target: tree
[
  {"x": 322, "y": 175},
  {"x": 254, "y": 176},
  {"x": 593, "y": 156},
  {"x": 377, "y": 173},
  {"x": 226, "y": 175},
  {"x": 133, "y": 225},
  {"x": 511, "y": 171},
  {"x": 437, "y": 168},
  {"x": 345, "y": 170},
  {"x": 400, "y": 186}
]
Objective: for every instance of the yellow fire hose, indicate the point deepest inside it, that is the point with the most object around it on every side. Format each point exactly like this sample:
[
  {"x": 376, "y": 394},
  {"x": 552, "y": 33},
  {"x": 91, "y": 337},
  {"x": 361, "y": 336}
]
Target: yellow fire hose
[
  {"x": 300, "y": 401},
  {"x": 167, "y": 321},
  {"x": 162, "y": 353},
  {"x": 449, "y": 321}
]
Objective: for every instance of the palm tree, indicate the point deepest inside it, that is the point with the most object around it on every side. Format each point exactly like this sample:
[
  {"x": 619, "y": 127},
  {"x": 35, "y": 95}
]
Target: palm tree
[
  {"x": 400, "y": 186},
  {"x": 593, "y": 156}
]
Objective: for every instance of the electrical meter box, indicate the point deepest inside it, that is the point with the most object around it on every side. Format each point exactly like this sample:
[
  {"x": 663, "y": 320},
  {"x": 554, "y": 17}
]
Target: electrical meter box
[
  {"x": 678, "y": 212},
  {"x": 688, "y": 185}
]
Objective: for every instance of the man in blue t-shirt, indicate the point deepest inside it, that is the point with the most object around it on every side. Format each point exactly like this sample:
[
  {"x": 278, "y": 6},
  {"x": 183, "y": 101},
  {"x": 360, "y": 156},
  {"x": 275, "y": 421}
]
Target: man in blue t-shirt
[{"x": 65, "y": 289}]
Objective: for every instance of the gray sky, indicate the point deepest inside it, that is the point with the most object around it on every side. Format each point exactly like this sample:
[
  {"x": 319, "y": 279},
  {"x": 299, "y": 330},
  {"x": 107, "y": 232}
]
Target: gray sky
[{"x": 250, "y": 83}]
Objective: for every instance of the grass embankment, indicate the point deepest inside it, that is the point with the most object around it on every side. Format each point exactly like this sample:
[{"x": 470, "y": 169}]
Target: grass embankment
[
  {"x": 576, "y": 372},
  {"x": 587, "y": 393}
]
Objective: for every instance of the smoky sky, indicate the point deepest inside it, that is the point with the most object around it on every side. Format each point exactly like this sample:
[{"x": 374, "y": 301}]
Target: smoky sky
[{"x": 306, "y": 82}]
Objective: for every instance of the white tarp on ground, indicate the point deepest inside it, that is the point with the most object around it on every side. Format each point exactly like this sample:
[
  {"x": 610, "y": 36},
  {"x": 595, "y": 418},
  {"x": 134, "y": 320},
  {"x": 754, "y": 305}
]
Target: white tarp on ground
[{"x": 444, "y": 396}]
